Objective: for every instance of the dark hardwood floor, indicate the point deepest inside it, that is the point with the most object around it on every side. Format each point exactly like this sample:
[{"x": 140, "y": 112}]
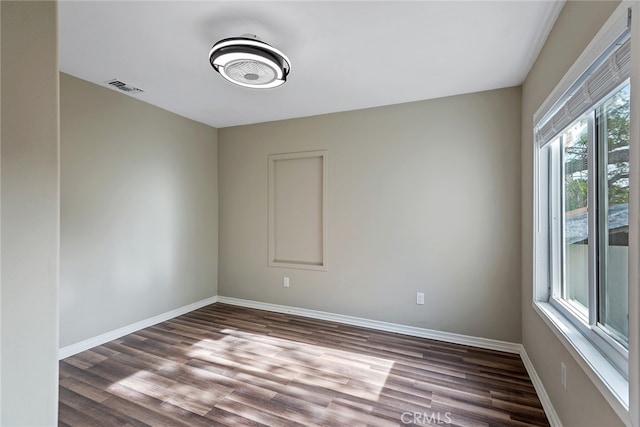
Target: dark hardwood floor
[{"x": 228, "y": 366}]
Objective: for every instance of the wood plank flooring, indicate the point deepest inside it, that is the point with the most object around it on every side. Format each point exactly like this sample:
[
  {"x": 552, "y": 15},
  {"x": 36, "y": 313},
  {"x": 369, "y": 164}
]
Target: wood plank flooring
[{"x": 230, "y": 366}]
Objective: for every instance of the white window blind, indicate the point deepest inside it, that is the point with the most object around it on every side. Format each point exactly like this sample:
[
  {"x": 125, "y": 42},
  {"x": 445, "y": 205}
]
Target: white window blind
[{"x": 608, "y": 72}]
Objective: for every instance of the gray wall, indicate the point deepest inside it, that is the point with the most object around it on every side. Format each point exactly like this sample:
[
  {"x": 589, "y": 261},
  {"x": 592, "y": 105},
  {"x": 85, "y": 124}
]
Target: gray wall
[
  {"x": 30, "y": 208},
  {"x": 139, "y": 211},
  {"x": 576, "y": 26},
  {"x": 421, "y": 197}
]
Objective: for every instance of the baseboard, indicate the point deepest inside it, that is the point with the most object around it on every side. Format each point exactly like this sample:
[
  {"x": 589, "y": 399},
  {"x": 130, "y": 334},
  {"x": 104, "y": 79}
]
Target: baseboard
[
  {"x": 549, "y": 410},
  {"x": 378, "y": 325},
  {"x": 78, "y": 347}
]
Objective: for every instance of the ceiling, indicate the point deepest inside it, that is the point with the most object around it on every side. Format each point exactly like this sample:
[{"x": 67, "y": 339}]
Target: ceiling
[{"x": 344, "y": 55}]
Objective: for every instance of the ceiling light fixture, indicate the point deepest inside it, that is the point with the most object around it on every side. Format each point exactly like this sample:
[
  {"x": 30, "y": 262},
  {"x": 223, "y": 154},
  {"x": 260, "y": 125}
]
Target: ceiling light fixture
[{"x": 250, "y": 62}]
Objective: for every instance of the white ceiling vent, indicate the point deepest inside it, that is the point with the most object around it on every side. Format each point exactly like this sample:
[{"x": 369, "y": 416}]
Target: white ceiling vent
[{"x": 123, "y": 86}]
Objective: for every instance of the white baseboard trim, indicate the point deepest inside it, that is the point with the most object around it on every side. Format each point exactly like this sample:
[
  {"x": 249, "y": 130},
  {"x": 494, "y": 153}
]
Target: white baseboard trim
[
  {"x": 81, "y": 346},
  {"x": 378, "y": 325},
  {"x": 549, "y": 410}
]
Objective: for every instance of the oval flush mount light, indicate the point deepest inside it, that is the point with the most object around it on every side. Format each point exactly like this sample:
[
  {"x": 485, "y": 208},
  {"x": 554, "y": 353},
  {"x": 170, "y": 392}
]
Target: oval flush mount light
[{"x": 250, "y": 62}]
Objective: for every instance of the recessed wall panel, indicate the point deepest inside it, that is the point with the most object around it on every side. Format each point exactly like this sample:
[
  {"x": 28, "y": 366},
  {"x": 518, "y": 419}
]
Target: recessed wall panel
[{"x": 297, "y": 210}]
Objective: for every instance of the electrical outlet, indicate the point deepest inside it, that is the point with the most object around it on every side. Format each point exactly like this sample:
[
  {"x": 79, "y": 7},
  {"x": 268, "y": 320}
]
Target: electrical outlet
[
  {"x": 285, "y": 282},
  {"x": 563, "y": 375},
  {"x": 420, "y": 298}
]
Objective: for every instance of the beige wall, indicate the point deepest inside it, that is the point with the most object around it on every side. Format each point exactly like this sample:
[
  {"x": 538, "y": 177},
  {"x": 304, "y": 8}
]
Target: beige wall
[
  {"x": 575, "y": 28},
  {"x": 30, "y": 208},
  {"x": 422, "y": 197},
  {"x": 139, "y": 209}
]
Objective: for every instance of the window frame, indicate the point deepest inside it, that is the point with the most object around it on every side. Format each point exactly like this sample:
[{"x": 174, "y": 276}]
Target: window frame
[
  {"x": 623, "y": 394},
  {"x": 587, "y": 324}
]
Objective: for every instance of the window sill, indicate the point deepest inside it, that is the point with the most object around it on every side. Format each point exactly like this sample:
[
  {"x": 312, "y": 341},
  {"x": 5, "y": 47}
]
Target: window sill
[{"x": 612, "y": 384}]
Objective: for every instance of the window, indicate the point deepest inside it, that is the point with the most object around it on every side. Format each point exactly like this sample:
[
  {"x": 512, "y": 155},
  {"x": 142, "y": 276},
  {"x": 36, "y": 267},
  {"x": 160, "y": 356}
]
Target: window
[
  {"x": 613, "y": 202},
  {"x": 582, "y": 242},
  {"x": 588, "y": 202}
]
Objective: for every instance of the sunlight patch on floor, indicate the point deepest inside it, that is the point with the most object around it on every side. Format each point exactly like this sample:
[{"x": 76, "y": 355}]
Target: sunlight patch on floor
[{"x": 292, "y": 362}]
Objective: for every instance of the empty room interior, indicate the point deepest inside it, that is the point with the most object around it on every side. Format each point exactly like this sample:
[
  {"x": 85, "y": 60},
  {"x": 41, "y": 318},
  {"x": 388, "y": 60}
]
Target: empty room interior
[{"x": 334, "y": 213}]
